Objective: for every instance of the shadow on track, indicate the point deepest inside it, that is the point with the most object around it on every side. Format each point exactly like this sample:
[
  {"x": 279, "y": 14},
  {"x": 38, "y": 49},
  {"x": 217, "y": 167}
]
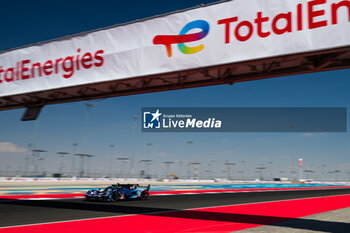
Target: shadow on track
[
  {"x": 123, "y": 208},
  {"x": 302, "y": 224}
]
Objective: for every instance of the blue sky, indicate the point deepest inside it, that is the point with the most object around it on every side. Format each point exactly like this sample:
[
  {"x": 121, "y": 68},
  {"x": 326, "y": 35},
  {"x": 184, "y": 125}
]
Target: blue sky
[{"x": 111, "y": 122}]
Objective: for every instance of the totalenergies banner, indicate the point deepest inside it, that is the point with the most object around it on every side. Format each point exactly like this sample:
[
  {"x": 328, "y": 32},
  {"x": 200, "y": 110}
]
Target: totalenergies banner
[{"x": 222, "y": 33}]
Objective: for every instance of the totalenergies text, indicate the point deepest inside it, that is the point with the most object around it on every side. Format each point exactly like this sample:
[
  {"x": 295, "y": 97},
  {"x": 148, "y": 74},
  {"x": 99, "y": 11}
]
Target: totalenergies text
[
  {"x": 314, "y": 12},
  {"x": 66, "y": 66}
]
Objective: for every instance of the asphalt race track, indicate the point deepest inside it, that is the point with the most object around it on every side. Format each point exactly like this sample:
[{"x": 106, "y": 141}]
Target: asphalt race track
[{"x": 23, "y": 212}]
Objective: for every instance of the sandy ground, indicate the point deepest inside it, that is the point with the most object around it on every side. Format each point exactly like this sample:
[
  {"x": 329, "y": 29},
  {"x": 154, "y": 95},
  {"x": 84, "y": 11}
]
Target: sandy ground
[{"x": 337, "y": 221}]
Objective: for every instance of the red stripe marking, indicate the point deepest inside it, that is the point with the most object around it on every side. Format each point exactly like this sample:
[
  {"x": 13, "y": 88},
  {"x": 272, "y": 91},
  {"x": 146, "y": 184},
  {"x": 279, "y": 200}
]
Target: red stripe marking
[
  {"x": 214, "y": 219},
  {"x": 70, "y": 195}
]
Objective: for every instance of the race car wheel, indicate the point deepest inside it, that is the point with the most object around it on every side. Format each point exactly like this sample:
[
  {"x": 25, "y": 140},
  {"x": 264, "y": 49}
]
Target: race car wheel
[
  {"x": 115, "y": 197},
  {"x": 143, "y": 195}
]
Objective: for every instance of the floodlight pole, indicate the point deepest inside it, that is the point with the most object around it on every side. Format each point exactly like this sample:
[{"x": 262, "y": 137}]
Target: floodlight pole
[
  {"x": 180, "y": 173},
  {"x": 36, "y": 153},
  {"x": 196, "y": 172},
  {"x": 88, "y": 157},
  {"x": 147, "y": 162},
  {"x": 167, "y": 167},
  {"x": 261, "y": 169},
  {"x": 73, "y": 158},
  {"x": 34, "y": 145},
  {"x": 26, "y": 166},
  {"x": 189, "y": 159},
  {"x": 88, "y": 106},
  {"x": 135, "y": 117},
  {"x": 62, "y": 154},
  {"x": 228, "y": 164},
  {"x": 110, "y": 161},
  {"x": 42, "y": 159},
  {"x": 149, "y": 156},
  {"x": 122, "y": 165},
  {"x": 82, "y": 159}
]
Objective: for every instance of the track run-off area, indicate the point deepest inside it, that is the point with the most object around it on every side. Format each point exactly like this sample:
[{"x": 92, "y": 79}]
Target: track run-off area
[{"x": 220, "y": 209}]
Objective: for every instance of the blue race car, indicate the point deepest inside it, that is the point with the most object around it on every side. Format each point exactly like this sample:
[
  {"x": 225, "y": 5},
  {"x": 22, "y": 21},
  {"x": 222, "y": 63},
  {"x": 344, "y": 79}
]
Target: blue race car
[{"x": 117, "y": 192}]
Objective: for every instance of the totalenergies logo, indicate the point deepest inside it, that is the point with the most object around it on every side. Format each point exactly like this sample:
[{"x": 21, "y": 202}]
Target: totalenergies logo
[{"x": 183, "y": 38}]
